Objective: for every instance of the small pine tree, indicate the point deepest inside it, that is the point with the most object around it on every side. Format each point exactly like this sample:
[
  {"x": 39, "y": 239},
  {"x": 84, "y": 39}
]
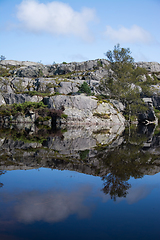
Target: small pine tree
[
  {"x": 85, "y": 88},
  {"x": 122, "y": 82}
]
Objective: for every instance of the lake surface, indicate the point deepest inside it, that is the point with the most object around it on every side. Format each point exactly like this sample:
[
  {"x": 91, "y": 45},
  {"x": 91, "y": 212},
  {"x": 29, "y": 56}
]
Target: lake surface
[{"x": 57, "y": 187}]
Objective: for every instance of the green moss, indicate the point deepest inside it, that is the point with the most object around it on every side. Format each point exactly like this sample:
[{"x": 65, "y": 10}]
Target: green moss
[
  {"x": 84, "y": 154},
  {"x": 102, "y": 131},
  {"x": 57, "y": 93},
  {"x": 64, "y": 115},
  {"x": 35, "y": 93},
  {"x": 102, "y": 115},
  {"x": 102, "y": 98},
  {"x": 50, "y": 85},
  {"x": 43, "y": 119},
  {"x": 28, "y": 138},
  {"x": 63, "y": 131}
]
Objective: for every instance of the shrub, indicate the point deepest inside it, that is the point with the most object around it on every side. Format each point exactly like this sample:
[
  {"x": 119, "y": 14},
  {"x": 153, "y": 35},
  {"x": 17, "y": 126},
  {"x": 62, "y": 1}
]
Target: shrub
[
  {"x": 85, "y": 88},
  {"x": 43, "y": 119},
  {"x": 64, "y": 115},
  {"x": 99, "y": 63},
  {"x": 102, "y": 115},
  {"x": 23, "y": 108},
  {"x": 84, "y": 154}
]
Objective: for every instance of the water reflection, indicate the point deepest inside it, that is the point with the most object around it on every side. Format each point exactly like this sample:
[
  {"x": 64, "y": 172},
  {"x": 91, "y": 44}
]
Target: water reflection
[
  {"x": 2, "y": 172},
  {"x": 36, "y": 203},
  {"x": 128, "y": 160},
  {"x": 114, "y": 154},
  {"x": 51, "y": 206},
  {"x": 115, "y": 186}
]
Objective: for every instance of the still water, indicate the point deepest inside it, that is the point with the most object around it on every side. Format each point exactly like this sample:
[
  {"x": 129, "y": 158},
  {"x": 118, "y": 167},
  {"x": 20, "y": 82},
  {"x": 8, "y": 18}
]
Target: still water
[{"x": 107, "y": 191}]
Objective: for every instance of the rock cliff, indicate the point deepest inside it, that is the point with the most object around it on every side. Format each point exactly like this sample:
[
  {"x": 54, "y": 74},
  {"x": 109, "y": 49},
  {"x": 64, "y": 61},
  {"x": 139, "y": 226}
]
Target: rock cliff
[{"x": 22, "y": 81}]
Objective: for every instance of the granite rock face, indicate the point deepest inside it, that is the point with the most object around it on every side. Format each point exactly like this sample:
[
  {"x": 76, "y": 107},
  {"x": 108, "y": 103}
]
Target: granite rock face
[
  {"x": 67, "y": 87},
  {"x": 149, "y": 66},
  {"x": 65, "y": 79},
  {"x": 18, "y": 63},
  {"x": 20, "y": 98},
  {"x": 59, "y": 69},
  {"x": 82, "y": 109},
  {"x": 2, "y": 101}
]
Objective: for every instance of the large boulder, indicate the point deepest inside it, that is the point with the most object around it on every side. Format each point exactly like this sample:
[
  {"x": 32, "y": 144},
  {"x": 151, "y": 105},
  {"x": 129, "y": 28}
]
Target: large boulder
[
  {"x": 5, "y": 85},
  {"x": 119, "y": 105},
  {"x": 156, "y": 101},
  {"x": 149, "y": 66},
  {"x": 81, "y": 109},
  {"x": 30, "y": 71},
  {"x": 67, "y": 87},
  {"x": 21, "y": 84},
  {"x": 80, "y": 102}
]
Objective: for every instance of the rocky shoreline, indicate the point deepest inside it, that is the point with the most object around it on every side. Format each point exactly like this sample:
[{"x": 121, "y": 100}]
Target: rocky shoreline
[
  {"x": 90, "y": 150},
  {"x": 57, "y": 86}
]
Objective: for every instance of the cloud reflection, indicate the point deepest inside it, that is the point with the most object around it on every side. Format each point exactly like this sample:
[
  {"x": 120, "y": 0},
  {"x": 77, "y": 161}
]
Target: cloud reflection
[
  {"x": 51, "y": 206},
  {"x": 138, "y": 193},
  {"x": 135, "y": 194}
]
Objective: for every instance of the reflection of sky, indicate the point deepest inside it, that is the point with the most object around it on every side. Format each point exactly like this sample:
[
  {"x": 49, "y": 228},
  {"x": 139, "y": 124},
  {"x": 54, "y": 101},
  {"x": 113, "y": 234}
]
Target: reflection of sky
[
  {"x": 54, "y": 196},
  {"x": 50, "y": 206},
  {"x": 46, "y": 195},
  {"x": 140, "y": 189}
]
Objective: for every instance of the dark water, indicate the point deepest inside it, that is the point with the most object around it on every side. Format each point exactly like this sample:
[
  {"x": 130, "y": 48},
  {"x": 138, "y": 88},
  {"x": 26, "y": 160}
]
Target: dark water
[{"x": 110, "y": 191}]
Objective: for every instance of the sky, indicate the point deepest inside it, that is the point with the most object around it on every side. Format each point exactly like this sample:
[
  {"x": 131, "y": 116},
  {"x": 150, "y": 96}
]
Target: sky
[{"x": 50, "y": 31}]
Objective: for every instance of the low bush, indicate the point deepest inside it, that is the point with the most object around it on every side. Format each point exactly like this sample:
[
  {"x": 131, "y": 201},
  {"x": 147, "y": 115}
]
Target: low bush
[
  {"x": 85, "y": 88},
  {"x": 22, "y": 108}
]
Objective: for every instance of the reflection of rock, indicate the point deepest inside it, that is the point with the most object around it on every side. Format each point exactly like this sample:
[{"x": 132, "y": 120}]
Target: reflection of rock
[
  {"x": 92, "y": 150},
  {"x": 63, "y": 152},
  {"x": 2, "y": 101},
  {"x": 148, "y": 116},
  {"x": 106, "y": 136},
  {"x": 76, "y": 139}
]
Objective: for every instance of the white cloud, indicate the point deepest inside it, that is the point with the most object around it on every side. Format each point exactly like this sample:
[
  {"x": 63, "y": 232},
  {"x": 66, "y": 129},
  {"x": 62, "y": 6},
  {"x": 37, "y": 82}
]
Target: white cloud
[
  {"x": 55, "y": 17},
  {"x": 135, "y": 34}
]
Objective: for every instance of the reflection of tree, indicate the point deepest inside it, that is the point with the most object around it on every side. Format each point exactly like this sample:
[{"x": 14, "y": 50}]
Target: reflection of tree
[
  {"x": 115, "y": 186},
  {"x": 2, "y": 172},
  {"x": 125, "y": 161}
]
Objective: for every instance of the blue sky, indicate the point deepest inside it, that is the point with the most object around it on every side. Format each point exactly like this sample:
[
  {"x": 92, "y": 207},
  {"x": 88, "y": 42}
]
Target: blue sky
[{"x": 68, "y": 30}]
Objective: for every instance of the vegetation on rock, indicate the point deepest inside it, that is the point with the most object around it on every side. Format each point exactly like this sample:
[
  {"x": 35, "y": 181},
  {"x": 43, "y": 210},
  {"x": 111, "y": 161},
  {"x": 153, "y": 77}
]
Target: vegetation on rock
[
  {"x": 85, "y": 88},
  {"x": 122, "y": 82},
  {"x": 117, "y": 78},
  {"x": 21, "y": 108}
]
